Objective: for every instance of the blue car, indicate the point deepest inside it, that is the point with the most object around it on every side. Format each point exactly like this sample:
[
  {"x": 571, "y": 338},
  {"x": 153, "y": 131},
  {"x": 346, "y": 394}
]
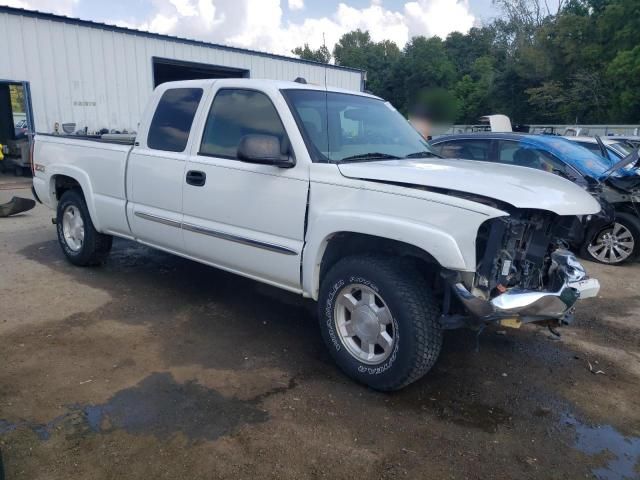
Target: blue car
[{"x": 605, "y": 242}]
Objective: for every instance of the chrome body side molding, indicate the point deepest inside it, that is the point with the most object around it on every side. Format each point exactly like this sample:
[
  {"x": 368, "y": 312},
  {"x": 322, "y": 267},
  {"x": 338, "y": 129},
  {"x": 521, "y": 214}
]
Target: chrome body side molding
[{"x": 214, "y": 233}]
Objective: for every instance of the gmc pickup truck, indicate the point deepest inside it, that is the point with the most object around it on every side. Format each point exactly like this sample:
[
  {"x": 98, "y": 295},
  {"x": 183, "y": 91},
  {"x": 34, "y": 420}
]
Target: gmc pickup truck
[{"x": 333, "y": 195}]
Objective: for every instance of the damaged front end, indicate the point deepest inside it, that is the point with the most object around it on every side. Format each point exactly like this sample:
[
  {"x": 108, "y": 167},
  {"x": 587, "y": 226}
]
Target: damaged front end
[{"x": 524, "y": 273}]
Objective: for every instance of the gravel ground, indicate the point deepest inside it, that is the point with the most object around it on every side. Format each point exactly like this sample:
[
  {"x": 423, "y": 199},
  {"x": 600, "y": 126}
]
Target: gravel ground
[{"x": 153, "y": 366}]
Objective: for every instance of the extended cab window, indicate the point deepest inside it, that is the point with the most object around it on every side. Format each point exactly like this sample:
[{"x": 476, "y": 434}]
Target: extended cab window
[
  {"x": 171, "y": 123},
  {"x": 467, "y": 149},
  {"x": 234, "y": 114}
]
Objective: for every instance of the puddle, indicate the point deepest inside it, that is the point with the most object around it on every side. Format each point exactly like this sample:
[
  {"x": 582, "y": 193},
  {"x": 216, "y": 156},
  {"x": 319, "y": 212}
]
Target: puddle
[
  {"x": 622, "y": 453},
  {"x": 158, "y": 406}
]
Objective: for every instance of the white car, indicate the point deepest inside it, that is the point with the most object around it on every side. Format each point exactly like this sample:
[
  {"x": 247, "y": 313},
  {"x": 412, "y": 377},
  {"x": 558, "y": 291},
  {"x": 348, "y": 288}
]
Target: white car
[
  {"x": 617, "y": 149},
  {"x": 332, "y": 195}
]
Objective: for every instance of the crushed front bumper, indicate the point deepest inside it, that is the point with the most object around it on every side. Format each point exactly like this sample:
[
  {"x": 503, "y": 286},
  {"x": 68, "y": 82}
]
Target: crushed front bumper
[{"x": 568, "y": 283}]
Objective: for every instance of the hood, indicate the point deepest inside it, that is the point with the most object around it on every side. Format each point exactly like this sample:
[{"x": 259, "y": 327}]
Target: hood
[{"x": 519, "y": 186}]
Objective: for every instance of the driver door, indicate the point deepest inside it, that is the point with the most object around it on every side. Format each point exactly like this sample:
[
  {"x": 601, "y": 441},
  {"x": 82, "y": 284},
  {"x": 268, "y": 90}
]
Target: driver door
[{"x": 244, "y": 217}]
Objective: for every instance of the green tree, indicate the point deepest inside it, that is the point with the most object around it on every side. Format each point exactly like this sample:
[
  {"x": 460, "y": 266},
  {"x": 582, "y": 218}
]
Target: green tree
[
  {"x": 579, "y": 60},
  {"x": 321, "y": 55},
  {"x": 549, "y": 99},
  {"x": 624, "y": 78},
  {"x": 356, "y": 49},
  {"x": 464, "y": 49},
  {"x": 474, "y": 91},
  {"x": 424, "y": 65}
]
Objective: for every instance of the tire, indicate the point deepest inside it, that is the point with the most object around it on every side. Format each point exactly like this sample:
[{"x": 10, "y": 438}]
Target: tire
[
  {"x": 412, "y": 321},
  {"x": 94, "y": 247},
  {"x": 627, "y": 228}
]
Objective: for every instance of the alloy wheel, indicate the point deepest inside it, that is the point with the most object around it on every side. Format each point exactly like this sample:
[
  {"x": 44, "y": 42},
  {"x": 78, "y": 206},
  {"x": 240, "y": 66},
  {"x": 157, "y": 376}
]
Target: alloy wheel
[
  {"x": 364, "y": 324},
  {"x": 613, "y": 245},
  {"x": 73, "y": 228}
]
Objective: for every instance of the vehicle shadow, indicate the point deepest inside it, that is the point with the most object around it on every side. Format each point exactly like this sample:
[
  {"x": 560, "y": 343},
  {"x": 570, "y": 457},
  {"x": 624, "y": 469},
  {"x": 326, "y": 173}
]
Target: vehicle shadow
[{"x": 207, "y": 317}]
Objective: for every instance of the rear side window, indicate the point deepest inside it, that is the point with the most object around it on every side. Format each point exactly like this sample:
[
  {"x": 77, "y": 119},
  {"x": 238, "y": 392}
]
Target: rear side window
[
  {"x": 171, "y": 123},
  {"x": 466, "y": 149},
  {"x": 234, "y": 114}
]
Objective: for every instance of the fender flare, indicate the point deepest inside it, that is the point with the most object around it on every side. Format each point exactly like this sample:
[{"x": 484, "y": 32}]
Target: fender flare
[
  {"x": 82, "y": 178},
  {"x": 440, "y": 245}
]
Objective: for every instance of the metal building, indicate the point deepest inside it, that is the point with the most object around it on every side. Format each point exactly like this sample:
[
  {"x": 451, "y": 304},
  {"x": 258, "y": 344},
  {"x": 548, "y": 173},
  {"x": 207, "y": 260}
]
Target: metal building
[{"x": 100, "y": 76}]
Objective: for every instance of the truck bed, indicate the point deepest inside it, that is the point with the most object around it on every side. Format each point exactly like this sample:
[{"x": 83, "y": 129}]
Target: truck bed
[{"x": 98, "y": 164}]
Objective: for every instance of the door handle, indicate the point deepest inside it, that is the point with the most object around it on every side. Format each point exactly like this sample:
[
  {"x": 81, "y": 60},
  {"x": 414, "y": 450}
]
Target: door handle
[{"x": 196, "y": 178}]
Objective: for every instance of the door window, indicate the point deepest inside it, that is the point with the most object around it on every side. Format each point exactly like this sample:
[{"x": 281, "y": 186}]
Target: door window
[
  {"x": 172, "y": 120},
  {"x": 525, "y": 155},
  {"x": 466, "y": 149},
  {"x": 234, "y": 114}
]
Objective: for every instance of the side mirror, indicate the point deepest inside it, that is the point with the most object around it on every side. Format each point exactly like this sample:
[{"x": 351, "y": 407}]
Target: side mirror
[{"x": 264, "y": 150}]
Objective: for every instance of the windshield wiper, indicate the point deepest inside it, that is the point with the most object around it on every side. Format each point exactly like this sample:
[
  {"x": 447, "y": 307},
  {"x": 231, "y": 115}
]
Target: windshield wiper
[
  {"x": 363, "y": 157},
  {"x": 423, "y": 154}
]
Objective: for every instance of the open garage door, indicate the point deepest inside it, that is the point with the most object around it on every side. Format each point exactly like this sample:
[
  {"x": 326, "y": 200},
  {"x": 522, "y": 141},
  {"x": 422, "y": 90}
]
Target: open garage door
[
  {"x": 16, "y": 126},
  {"x": 167, "y": 70}
]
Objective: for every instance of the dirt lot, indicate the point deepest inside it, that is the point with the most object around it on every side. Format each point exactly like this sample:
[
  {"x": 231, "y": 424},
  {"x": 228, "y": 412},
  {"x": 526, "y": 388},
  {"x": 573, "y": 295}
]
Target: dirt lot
[{"x": 157, "y": 367}]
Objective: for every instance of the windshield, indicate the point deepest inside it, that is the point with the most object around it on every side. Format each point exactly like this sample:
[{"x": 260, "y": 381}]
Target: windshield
[
  {"x": 620, "y": 149},
  {"x": 341, "y": 127},
  {"x": 580, "y": 158}
]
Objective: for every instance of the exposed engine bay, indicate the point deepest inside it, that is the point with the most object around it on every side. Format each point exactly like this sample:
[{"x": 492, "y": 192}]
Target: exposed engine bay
[
  {"x": 516, "y": 251},
  {"x": 524, "y": 271}
]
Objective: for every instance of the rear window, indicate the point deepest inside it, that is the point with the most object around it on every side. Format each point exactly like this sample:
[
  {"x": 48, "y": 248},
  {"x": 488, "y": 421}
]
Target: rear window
[{"x": 171, "y": 123}]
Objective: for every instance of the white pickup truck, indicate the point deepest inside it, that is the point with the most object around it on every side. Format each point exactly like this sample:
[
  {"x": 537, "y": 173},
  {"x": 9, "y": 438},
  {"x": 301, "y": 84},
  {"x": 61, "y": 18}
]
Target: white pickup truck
[{"x": 333, "y": 195}]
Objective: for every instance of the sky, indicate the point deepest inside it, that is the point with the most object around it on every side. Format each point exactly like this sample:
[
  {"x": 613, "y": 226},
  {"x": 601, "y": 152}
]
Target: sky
[{"x": 277, "y": 26}]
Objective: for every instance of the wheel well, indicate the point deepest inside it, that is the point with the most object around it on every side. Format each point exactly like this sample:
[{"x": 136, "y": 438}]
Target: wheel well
[
  {"x": 625, "y": 207},
  {"x": 345, "y": 244},
  {"x": 62, "y": 183}
]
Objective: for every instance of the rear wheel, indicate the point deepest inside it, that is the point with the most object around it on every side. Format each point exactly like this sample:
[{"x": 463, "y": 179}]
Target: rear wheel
[
  {"x": 379, "y": 321},
  {"x": 80, "y": 241},
  {"x": 618, "y": 244}
]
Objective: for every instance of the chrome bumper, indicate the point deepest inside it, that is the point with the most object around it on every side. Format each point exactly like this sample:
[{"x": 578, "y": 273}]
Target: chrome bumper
[{"x": 566, "y": 274}]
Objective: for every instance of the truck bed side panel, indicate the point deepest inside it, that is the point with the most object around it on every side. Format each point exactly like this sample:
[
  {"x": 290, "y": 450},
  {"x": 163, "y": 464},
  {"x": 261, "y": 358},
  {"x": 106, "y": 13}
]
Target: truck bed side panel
[{"x": 98, "y": 167}]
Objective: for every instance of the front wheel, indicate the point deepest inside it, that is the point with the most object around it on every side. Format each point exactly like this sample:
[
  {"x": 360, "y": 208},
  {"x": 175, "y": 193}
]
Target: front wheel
[
  {"x": 618, "y": 244},
  {"x": 379, "y": 321}
]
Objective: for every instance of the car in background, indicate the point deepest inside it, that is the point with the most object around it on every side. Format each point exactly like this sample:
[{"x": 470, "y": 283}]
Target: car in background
[
  {"x": 604, "y": 241},
  {"x": 632, "y": 140},
  {"x": 616, "y": 149}
]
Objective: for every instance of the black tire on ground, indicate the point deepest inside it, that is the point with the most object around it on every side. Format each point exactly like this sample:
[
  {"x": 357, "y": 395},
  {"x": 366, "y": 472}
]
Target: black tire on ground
[
  {"x": 632, "y": 224},
  {"x": 96, "y": 246},
  {"x": 17, "y": 171},
  {"x": 414, "y": 312}
]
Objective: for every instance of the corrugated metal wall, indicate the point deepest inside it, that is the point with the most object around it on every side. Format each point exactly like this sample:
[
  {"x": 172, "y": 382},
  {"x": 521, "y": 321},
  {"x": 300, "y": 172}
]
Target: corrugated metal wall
[{"x": 101, "y": 78}]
